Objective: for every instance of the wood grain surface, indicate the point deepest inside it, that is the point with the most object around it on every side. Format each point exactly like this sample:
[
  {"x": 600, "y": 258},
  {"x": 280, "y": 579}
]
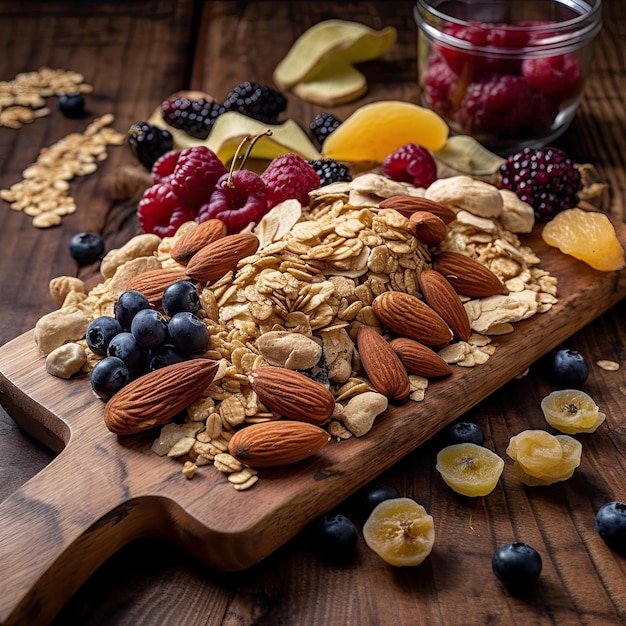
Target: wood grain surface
[{"x": 136, "y": 54}]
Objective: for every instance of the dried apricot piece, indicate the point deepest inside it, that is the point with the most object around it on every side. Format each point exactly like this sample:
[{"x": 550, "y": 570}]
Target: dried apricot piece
[
  {"x": 535, "y": 450},
  {"x": 377, "y": 129},
  {"x": 400, "y": 531},
  {"x": 571, "y": 411},
  {"x": 469, "y": 469},
  {"x": 587, "y": 236}
]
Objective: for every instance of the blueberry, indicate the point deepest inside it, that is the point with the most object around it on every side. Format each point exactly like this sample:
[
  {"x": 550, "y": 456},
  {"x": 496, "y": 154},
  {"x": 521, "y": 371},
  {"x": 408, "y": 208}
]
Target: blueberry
[
  {"x": 181, "y": 296},
  {"x": 517, "y": 565},
  {"x": 188, "y": 333},
  {"x": 334, "y": 537},
  {"x": 124, "y": 346},
  {"x": 86, "y": 248},
  {"x": 368, "y": 498},
  {"x": 108, "y": 376},
  {"x": 568, "y": 368},
  {"x": 100, "y": 332},
  {"x": 72, "y": 105},
  {"x": 149, "y": 328},
  {"x": 164, "y": 356},
  {"x": 465, "y": 432},
  {"x": 611, "y": 525},
  {"x": 128, "y": 305}
]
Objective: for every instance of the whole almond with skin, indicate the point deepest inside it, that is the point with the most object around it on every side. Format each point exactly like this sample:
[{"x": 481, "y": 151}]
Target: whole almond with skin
[
  {"x": 408, "y": 316},
  {"x": 441, "y": 297},
  {"x": 281, "y": 442},
  {"x": 221, "y": 256},
  {"x": 427, "y": 227},
  {"x": 382, "y": 365},
  {"x": 292, "y": 394},
  {"x": 196, "y": 238},
  {"x": 155, "y": 398},
  {"x": 419, "y": 359},
  {"x": 407, "y": 205},
  {"x": 152, "y": 284},
  {"x": 468, "y": 276}
]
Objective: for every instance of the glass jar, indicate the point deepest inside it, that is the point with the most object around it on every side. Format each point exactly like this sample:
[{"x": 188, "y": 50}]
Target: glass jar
[{"x": 511, "y": 74}]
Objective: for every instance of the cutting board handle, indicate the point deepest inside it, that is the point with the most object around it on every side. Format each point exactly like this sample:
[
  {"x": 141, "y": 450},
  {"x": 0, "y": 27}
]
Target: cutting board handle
[{"x": 56, "y": 530}]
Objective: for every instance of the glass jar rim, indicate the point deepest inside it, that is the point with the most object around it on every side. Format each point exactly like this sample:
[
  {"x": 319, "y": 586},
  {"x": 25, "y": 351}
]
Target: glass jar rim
[{"x": 563, "y": 36}]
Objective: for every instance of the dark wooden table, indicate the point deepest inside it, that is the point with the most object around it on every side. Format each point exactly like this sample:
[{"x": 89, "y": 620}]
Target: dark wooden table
[{"x": 137, "y": 53}]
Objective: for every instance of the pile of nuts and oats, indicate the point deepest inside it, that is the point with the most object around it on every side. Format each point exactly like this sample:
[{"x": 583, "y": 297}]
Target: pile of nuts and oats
[{"x": 299, "y": 301}]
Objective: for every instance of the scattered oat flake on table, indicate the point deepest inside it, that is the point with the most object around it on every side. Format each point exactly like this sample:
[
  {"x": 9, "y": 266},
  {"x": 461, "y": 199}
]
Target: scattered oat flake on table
[
  {"x": 609, "y": 366},
  {"x": 43, "y": 193}
]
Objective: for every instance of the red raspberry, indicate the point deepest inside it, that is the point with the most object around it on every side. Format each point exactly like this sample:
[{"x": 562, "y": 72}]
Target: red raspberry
[
  {"x": 559, "y": 77},
  {"x": 161, "y": 212},
  {"x": 474, "y": 65},
  {"x": 500, "y": 105},
  {"x": 195, "y": 175},
  {"x": 289, "y": 176},
  {"x": 411, "y": 164},
  {"x": 458, "y": 61},
  {"x": 439, "y": 86},
  {"x": 237, "y": 205},
  {"x": 164, "y": 166}
]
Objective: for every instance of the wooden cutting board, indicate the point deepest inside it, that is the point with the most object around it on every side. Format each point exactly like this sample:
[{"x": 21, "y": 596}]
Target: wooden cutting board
[{"x": 102, "y": 491}]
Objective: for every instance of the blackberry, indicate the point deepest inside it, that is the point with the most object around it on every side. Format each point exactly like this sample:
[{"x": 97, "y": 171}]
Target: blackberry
[
  {"x": 194, "y": 117},
  {"x": 330, "y": 171},
  {"x": 258, "y": 101},
  {"x": 148, "y": 143},
  {"x": 546, "y": 179},
  {"x": 323, "y": 124}
]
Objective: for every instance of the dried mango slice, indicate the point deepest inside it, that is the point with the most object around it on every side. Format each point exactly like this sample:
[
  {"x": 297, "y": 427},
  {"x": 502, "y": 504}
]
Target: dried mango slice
[
  {"x": 325, "y": 43},
  {"x": 400, "y": 531},
  {"x": 379, "y": 128},
  {"x": 587, "y": 236}
]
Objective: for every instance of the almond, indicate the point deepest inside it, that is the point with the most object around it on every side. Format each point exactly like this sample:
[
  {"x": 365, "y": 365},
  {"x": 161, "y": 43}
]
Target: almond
[
  {"x": 407, "y": 205},
  {"x": 196, "y": 238},
  {"x": 419, "y": 359},
  {"x": 271, "y": 444},
  {"x": 292, "y": 394},
  {"x": 408, "y": 316},
  {"x": 427, "y": 227},
  {"x": 221, "y": 256},
  {"x": 441, "y": 297},
  {"x": 382, "y": 365},
  {"x": 468, "y": 276},
  {"x": 152, "y": 284},
  {"x": 155, "y": 398}
]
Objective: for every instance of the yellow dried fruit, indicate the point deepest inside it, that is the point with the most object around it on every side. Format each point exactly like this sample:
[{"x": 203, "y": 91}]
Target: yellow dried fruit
[
  {"x": 469, "y": 469},
  {"x": 572, "y": 452},
  {"x": 587, "y": 236},
  {"x": 377, "y": 129},
  {"x": 537, "y": 451},
  {"x": 400, "y": 531},
  {"x": 330, "y": 43},
  {"x": 232, "y": 127},
  {"x": 571, "y": 411}
]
